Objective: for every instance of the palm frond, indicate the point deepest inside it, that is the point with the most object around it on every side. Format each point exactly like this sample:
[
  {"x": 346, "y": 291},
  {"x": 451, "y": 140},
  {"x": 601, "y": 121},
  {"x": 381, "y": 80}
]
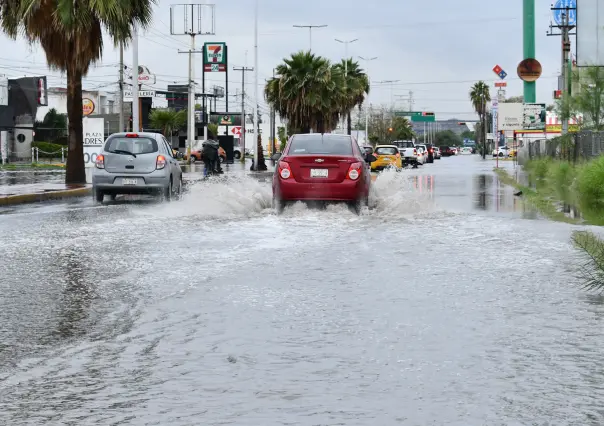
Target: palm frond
[{"x": 591, "y": 271}]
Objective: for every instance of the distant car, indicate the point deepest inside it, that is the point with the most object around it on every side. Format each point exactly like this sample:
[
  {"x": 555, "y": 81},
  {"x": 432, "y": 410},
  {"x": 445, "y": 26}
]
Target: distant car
[
  {"x": 437, "y": 153},
  {"x": 408, "y": 152},
  {"x": 446, "y": 151},
  {"x": 422, "y": 153},
  {"x": 430, "y": 153},
  {"x": 502, "y": 151},
  {"x": 136, "y": 163},
  {"x": 324, "y": 168},
  {"x": 386, "y": 156},
  {"x": 466, "y": 150}
]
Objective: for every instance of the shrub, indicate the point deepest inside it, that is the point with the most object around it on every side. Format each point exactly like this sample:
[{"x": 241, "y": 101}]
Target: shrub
[{"x": 590, "y": 183}]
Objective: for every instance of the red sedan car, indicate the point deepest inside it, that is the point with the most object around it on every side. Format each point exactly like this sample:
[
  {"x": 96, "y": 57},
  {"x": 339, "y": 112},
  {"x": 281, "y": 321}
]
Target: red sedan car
[{"x": 324, "y": 168}]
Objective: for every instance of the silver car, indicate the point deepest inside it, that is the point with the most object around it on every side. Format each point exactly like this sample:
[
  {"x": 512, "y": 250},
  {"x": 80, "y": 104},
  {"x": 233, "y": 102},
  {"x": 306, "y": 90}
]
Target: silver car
[{"x": 136, "y": 163}]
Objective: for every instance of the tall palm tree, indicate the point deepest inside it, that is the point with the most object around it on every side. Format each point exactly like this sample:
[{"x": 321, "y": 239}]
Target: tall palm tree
[
  {"x": 308, "y": 92},
  {"x": 356, "y": 87},
  {"x": 480, "y": 95},
  {"x": 167, "y": 120},
  {"x": 71, "y": 34}
]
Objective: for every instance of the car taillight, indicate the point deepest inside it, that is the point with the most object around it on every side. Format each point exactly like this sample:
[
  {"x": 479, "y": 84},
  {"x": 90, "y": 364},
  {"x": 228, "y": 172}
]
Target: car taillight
[
  {"x": 415, "y": 152},
  {"x": 431, "y": 150},
  {"x": 285, "y": 170},
  {"x": 100, "y": 161},
  {"x": 354, "y": 171},
  {"x": 161, "y": 162},
  {"x": 398, "y": 154}
]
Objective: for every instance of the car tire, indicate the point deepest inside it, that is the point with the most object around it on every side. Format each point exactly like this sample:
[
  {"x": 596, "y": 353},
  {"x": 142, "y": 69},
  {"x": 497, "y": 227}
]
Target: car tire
[
  {"x": 178, "y": 190},
  {"x": 501, "y": 154},
  {"x": 237, "y": 155},
  {"x": 167, "y": 192},
  {"x": 98, "y": 196},
  {"x": 278, "y": 205},
  {"x": 357, "y": 206}
]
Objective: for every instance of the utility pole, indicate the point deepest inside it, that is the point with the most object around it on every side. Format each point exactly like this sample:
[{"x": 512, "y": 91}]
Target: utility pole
[
  {"x": 273, "y": 125},
  {"x": 243, "y": 71},
  {"x": 310, "y": 27},
  {"x": 121, "y": 129},
  {"x": 565, "y": 25},
  {"x": 367, "y": 60},
  {"x": 135, "y": 101},
  {"x": 256, "y": 124},
  {"x": 191, "y": 25}
]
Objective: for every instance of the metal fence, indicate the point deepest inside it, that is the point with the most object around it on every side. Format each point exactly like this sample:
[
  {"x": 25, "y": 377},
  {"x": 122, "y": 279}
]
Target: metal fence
[{"x": 574, "y": 147}]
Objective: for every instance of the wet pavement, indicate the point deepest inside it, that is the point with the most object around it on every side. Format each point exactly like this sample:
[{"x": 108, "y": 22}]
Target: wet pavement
[{"x": 450, "y": 302}]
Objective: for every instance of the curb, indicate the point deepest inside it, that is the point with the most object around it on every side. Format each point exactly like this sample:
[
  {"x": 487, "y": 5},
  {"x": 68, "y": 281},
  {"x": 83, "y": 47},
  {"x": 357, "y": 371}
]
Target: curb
[{"x": 44, "y": 196}]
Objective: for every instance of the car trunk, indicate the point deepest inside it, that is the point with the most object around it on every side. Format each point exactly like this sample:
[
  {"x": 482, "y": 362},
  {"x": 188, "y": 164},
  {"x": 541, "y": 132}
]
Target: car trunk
[
  {"x": 312, "y": 168},
  {"x": 127, "y": 164}
]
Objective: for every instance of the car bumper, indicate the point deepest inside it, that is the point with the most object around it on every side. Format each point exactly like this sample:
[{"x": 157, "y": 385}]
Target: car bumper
[
  {"x": 113, "y": 182},
  {"x": 298, "y": 191},
  {"x": 381, "y": 165}
]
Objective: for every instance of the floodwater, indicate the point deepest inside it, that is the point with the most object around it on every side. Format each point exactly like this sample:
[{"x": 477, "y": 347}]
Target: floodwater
[{"x": 448, "y": 303}]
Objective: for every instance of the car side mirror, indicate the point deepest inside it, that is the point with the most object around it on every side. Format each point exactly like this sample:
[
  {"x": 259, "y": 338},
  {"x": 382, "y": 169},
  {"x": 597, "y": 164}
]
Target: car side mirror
[
  {"x": 370, "y": 158},
  {"x": 276, "y": 156}
]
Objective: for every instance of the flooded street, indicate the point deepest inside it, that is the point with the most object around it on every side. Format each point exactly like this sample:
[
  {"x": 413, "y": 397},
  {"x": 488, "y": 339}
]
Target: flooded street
[{"x": 449, "y": 303}]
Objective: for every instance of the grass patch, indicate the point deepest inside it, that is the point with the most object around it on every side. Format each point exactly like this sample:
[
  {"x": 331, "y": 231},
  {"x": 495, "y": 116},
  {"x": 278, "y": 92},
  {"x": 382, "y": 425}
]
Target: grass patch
[
  {"x": 29, "y": 166},
  {"x": 545, "y": 205},
  {"x": 592, "y": 270}
]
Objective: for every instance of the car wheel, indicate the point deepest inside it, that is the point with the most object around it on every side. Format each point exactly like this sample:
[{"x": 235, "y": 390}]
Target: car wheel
[
  {"x": 178, "y": 190},
  {"x": 167, "y": 192},
  {"x": 237, "y": 155},
  {"x": 357, "y": 206},
  {"x": 501, "y": 154},
  {"x": 278, "y": 205},
  {"x": 98, "y": 195}
]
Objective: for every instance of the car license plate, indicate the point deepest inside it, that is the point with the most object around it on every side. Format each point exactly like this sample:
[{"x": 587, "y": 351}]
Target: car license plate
[
  {"x": 129, "y": 181},
  {"x": 323, "y": 173}
]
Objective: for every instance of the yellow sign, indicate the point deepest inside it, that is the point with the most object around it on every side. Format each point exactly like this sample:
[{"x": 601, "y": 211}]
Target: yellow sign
[
  {"x": 87, "y": 106},
  {"x": 557, "y": 128}
]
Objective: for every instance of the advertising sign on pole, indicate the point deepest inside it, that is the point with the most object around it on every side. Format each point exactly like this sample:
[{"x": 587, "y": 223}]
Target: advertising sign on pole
[
  {"x": 559, "y": 10},
  {"x": 533, "y": 117},
  {"x": 590, "y": 33},
  {"x": 510, "y": 116},
  {"x": 215, "y": 57},
  {"x": 94, "y": 137}
]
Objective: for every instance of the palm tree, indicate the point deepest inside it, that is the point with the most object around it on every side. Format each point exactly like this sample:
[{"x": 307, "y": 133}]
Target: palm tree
[
  {"x": 480, "y": 95},
  {"x": 308, "y": 92},
  {"x": 71, "y": 34},
  {"x": 356, "y": 87},
  {"x": 167, "y": 120}
]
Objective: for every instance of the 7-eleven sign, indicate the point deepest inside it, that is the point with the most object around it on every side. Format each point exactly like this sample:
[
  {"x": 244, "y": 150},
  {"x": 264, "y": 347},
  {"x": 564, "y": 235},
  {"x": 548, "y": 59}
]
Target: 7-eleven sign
[{"x": 214, "y": 53}]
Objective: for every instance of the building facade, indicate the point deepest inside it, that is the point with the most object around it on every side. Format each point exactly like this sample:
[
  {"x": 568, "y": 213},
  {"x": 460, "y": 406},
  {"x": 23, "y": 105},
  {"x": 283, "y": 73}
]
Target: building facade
[{"x": 94, "y": 102}]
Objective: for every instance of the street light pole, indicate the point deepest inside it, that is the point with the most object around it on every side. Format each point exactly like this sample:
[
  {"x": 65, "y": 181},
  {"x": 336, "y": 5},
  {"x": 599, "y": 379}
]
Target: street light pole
[
  {"x": 310, "y": 27},
  {"x": 256, "y": 127},
  {"x": 346, "y": 43},
  {"x": 367, "y": 60}
]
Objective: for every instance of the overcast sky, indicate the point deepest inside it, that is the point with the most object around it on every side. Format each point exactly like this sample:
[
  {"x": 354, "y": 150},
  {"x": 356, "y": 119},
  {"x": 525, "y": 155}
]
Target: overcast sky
[{"x": 435, "y": 48}]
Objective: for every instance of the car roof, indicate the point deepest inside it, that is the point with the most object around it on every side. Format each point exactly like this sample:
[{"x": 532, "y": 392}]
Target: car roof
[
  {"x": 386, "y": 146},
  {"x": 331, "y": 135},
  {"x": 143, "y": 134}
]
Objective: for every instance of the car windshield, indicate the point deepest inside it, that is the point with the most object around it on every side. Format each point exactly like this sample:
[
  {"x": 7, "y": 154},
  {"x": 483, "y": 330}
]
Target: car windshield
[
  {"x": 133, "y": 145},
  {"x": 386, "y": 150},
  {"x": 320, "y": 145}
]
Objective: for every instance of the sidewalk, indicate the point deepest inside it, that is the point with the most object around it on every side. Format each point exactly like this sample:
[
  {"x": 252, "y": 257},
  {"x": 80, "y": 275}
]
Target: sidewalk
[{"x": 20, "y": 187}]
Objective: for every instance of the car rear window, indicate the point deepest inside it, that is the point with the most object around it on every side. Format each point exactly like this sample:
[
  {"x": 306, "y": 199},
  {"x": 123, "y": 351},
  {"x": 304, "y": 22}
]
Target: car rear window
[
  {"x": 134, "y": 145},
  {"x": 325, "y": 145},
  {"x": 406, "y": 144},
  {"x": 386, "y": 151}
]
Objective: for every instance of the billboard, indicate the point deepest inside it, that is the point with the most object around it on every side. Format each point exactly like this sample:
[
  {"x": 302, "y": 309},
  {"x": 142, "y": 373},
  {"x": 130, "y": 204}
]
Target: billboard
[
  {"x": 510, "y": 116},
  {"x": 94, "y": 136},
  {"x": 533, "y": 117},
  {"x": 590, "y": 33}
]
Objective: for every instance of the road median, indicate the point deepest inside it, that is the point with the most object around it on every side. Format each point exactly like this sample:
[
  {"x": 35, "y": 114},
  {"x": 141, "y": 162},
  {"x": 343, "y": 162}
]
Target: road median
[{"x": 34, "y": 197}]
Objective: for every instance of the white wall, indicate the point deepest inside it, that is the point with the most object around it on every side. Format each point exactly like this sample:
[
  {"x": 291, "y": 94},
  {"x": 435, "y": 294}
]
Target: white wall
[{"x": 58, "y": 101}]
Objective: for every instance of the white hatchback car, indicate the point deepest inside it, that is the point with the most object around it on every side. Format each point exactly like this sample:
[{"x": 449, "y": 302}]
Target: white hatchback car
[
  {"x": 422, "y": 153},
  {"x": 136, "y": 163}
]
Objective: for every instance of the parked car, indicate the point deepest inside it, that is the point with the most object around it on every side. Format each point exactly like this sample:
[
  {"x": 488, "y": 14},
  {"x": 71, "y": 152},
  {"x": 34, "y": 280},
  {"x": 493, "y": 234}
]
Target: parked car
[
  {"x": 466, "y": 150},
  {"x": 386, "y": 156},
  {"x": 502, "y": 151},
  {"x": 324, "y": 168},
  {"x": 437, "y": 153},
  {"x": 136, "y": 163}
]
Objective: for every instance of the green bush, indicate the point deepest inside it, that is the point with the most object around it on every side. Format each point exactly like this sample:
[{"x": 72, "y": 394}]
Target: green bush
[
  {"x": 48, "y": 150},
  {"x": 539, "y": 167},
  {"x": 590, "y": 183}
]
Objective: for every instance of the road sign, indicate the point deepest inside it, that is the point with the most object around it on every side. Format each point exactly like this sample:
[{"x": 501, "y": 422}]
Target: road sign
[
  {"x": 214, "y": 67},
  {"x": 214, "y": 53},
  {"x": 497, "y": 69},
  {"x": 502, "y": 74},
  {"x": 500, "y": 84},
  {"x": 572, "y": 11},
  {"x": 141, "y": 94}
]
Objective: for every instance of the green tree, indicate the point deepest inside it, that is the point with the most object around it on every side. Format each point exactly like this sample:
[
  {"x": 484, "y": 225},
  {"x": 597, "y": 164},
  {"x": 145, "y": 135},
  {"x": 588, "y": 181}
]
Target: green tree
[
  {"x": 168, "y": 120},
  {"x": 71, "y": 34},
  {"x": 282, "y": 136},
  {"x": 213, "y": 129},
  {"x": 480, "y": 95},
  {"x": 356, "y": 86},
  {"x": 401, "y": 129},
  {"x": 589, "y": 100},
  {"x": 309, "y": 92},
  {"x": 53, "y": 128},
  {"x": 447, "y": 138}
]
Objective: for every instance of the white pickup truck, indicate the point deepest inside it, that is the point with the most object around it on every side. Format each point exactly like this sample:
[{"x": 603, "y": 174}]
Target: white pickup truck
[{"x": 408, "y": 152}]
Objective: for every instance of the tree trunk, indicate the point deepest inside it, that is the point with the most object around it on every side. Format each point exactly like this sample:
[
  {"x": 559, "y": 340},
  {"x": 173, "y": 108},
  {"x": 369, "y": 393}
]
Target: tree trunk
[
  {"x": 349, "y": 123},
  {"x": 75, "y": 172},
  {"x": 261, "y": 160}
]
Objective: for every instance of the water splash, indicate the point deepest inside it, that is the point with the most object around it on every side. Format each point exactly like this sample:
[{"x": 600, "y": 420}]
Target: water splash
[{"x": 398, "y": 194}]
